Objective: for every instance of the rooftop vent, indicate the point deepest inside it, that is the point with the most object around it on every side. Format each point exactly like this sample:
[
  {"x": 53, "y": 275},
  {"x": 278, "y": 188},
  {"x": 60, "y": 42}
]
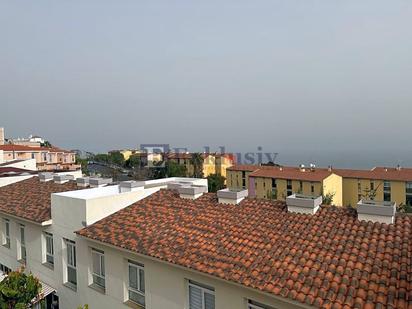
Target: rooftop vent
[
  {"x": 382, "y": 212},
  {"x": 130, "y": 186},
  {"x": 398, "y": 167},
  {"x": 62, "y": 178},
  {"x": 303, "y": 204},
  {"x": 82, "y": 181},
  {"x": 330, "y": 168},
  {"x": 43, "y": 177},
  {"x": 177, "y": 184},
  {"x": 302, "y": 167},
  {"x": 228, "y": 196},
  {"x": 191, "y": 192},
  {"x": 99, "y": 182}
]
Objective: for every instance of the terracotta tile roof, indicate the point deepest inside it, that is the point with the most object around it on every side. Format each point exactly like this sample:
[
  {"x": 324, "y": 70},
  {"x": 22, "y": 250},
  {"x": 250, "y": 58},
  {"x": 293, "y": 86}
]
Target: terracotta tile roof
[
  {"x": 328, "y": 260},
  {"x": 30, "y": 199},
  {"x": 13, "y": 147},
  {"x": 377, "y": 173},
  {"x": 244, "y": 167},
  {"x": 14, "y": 171},
  {"x": 293, "y": 173}
]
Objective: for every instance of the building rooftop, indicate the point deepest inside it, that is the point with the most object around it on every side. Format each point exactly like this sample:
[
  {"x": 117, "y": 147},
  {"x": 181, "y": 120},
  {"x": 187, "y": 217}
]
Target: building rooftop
[
  {"x": 328, "y": 260},
  {"x": 13, "y": 147},
  {"x": 293, "y": 173},
  {"x": 377, "y": 173},
  {"x": 244, "y": 167},
  {"x": 14, "y": 171},
  {"x": 318, "y": 174},
  {"x": 30, "y": 199}
]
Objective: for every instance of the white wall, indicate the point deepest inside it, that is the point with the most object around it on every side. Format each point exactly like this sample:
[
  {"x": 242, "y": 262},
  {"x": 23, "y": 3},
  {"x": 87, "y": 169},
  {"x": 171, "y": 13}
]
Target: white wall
[
  {"x": 29, "y": 164},
  {"x": 4, "y": 181},
  {"x": 1, "y": 155}
]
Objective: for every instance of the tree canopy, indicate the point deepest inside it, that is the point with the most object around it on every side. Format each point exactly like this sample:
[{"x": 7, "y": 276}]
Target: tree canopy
[
  {"x": 18, "y": 290},
  {"x": 215, "y": 182}
]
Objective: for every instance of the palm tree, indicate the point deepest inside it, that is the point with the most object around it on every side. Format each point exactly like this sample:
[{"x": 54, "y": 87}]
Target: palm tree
[{"x": 197, "y": 162}]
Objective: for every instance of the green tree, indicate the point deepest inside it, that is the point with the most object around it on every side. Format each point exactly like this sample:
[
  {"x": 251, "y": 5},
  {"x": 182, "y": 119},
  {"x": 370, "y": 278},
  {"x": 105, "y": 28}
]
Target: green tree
[
  {"x": 197, "y": 162},
  {"x": 174, "y": 169},
  {"x": 101, "y": 157},
  {"x": 215, "y": 182},
  {"x": 18, "y": 290},
  {"x": 116, "y": 157},
  {"x": 46, "y": 144},
  {"x": 83, "y": 163},
  {"x": 133, "y": 161}
]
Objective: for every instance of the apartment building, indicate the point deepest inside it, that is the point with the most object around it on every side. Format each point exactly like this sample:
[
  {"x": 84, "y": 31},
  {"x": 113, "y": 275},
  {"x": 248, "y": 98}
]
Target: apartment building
[
  {"x": 172, "y": 250},
  {"x": 380, "y": 183},
  {"x": 278, "y": 182},
  {"x": 47, "y": 158},
  {"x": 169, "y": 244},
  {"x": 39, "y": 216},
  {"x": 347, "y": 185}
]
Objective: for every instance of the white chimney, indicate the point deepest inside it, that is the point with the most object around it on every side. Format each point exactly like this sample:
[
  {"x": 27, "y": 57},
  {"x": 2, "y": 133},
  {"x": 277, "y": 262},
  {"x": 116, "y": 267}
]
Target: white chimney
[
  {"x": 227, "y": 196},
  {"x": 376, "y": 211},
  {"x": 130, "y": 186},
  {"x": 191, "y": 192},
  {"x": 82, "y": 181},
  {"x": 62, "y": 178},
  {"x": 43, "y": 177},
  {"x": 99, "y": 182},
  {"x": 303, "y": 204},
  {"x": 302, "y": 167},
  {"x": 177, "y": 184}
]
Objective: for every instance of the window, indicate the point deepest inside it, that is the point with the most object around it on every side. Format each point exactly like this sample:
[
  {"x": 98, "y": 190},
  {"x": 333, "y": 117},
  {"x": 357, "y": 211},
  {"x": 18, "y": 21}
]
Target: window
[
  {"x": 136, "y": 283},
  {"x": 49, "y": 248},
  {"x": 243, "y": 179},
  {"x": 312, "y": 188},
  {"x": 273, "y": 183},
  {"x": 288, "y": 187},
  {"x": 71, "y": 262},
  {"x": 201, "y": 297},
  {"x": 359, "y": 186},
  {"x": 387, "y": 191},
  {"x": 6, "y": 241},
  {"x": 22, "y": 243},
  {"x": 98, "y": 268},
  {"x": 372, "y": 186},
  {"x": 4, "y": 269},
  {"x": 301, "y": 186},
  {"x": 409, "y": 193},
  {"x": 255, "y": 305}
]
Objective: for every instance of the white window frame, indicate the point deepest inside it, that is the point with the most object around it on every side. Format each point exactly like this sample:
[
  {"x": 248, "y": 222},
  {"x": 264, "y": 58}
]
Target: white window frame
[
  {"x": 100, "y": 275},
  {"x": 23, "y": 252},
  {"x": 48, "y": 236},
  {"x": 6, "y": 240},
  {"x": 203, "y": 290},
  {"x": 139, "y": 267},
  {"x": 71, "y": 247}
]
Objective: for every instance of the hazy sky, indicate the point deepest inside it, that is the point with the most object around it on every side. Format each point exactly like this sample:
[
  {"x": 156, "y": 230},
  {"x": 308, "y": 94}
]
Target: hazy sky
[{"x": 323, "y": 81}]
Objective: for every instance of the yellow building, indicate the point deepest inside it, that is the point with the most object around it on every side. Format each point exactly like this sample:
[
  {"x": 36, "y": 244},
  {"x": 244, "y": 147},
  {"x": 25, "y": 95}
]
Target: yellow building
[
  {"x": 347, "y": 186},
  {"x": 212, "y": 163},
  {"x": 379, "y": 183},
  {"x": 275, "y": 182}
]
